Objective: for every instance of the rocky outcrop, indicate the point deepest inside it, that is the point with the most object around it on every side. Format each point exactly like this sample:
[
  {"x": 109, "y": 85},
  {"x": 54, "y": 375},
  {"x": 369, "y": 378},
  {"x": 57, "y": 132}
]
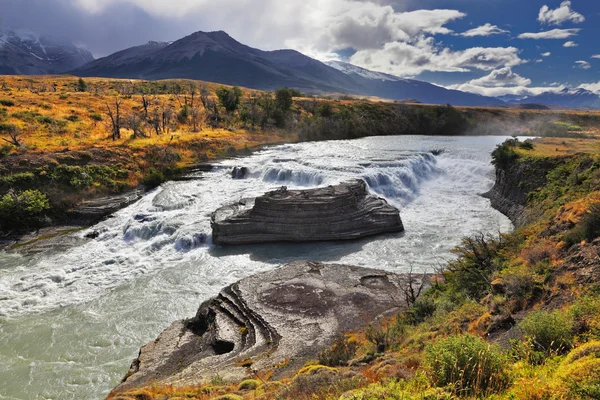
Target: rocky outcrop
[
  {"x": 514, "y": 183},
  {"x": 341, "y": 212},
  {"x": 275, "y": 320}
]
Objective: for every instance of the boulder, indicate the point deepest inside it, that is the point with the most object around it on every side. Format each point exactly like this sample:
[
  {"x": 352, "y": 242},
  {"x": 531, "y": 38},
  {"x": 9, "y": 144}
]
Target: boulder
[
  {"x": 276, "y": 320},
  {"x": 343, "y": 212}
]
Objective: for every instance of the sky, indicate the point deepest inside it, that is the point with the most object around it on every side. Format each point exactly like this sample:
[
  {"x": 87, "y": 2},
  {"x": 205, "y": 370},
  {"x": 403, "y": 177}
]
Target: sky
[{"x": 490, "y": 47}]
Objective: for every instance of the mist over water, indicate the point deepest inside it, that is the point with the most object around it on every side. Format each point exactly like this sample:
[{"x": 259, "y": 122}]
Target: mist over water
[{"x": 71, "y": 322}]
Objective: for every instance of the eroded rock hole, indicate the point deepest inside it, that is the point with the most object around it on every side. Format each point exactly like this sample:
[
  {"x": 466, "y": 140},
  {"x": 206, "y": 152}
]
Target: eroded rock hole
[{"x": 223, "y": 347}]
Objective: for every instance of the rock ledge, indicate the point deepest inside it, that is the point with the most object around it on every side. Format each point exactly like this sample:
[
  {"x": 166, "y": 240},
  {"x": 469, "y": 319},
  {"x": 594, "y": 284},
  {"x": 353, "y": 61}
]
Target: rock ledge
[
  {"x": 278, "y": 319},
  {"x": 342, "y": 212}
]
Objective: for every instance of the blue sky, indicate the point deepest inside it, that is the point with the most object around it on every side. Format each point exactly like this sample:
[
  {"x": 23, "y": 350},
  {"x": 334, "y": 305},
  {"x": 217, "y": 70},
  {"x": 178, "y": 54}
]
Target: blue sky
[
  {"x": 519, "y": 17},
  {"x": 421, "y": 39}
]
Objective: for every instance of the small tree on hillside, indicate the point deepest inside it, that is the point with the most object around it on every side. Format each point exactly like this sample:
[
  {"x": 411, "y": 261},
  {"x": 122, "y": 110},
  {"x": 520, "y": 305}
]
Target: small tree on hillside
[
  {"x": 81, "y": 85},
  {"x": 229, "y": 98},
  {"x": 284, "y": 99},
  {"x": 13, "y": 133}
]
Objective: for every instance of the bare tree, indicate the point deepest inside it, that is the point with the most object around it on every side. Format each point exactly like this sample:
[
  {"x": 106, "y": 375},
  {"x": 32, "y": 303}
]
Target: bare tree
[
  {"x": 115, "y": 119},
  {"x": 136, "y": 123},
  {"x": 413, "y": 286}
]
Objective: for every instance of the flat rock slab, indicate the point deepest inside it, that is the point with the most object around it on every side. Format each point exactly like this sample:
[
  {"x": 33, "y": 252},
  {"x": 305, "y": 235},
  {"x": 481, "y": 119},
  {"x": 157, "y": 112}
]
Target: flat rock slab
[
  {"x": 283, "y": 317},
  {"x": 343, "y": 212}
]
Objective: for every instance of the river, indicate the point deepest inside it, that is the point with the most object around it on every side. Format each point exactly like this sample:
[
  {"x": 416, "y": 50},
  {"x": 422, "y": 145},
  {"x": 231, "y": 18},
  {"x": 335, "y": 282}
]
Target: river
[{"x": 71, "y": 321}]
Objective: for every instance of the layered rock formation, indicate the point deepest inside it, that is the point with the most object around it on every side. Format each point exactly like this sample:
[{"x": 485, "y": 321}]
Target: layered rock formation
[
  {"x": 341, "y": 212},
  {"x": 280, "y": 318}
]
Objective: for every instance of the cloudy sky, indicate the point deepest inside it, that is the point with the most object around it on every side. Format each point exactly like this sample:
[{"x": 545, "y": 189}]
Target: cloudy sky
[{"x": 492, "y": 47}]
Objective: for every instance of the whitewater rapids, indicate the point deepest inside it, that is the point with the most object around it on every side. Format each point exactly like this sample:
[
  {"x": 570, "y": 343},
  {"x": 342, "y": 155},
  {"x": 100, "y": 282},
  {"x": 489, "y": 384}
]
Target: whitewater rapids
[{"x": 72, "y": 321}]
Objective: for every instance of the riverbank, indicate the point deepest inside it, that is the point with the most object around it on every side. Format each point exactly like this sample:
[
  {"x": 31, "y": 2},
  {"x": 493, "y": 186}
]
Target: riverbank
[{"x": 514, "y": 316}]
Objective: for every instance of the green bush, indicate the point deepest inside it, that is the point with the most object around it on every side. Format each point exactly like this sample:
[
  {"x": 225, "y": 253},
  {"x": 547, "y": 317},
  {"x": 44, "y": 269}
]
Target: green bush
[
  {"x": 7, "y": 103},
  {"x": 479, "y": 257},
  {"x": 467, "y": 365},
  {"x": 229, "y": 98},
  {"x": 526, "y": 145},
  {"x": 23, "y": 210},
  {"x": 284, "y": 99},
  {"x": 46, "y": 120},
  {"x": 549, "y": 332},
  {"x": 153, "y": 178},
  {"x": 26, "y": 116},
  {"x": 422, "y": 308},
  {"x": 20, "y": 180},
  {"x": 249, "y": 384},
  {"x": 588, "y": 227},
  {"x": 73, "y": 118},
  {"x": 96, "y": 117},
  {"x": 505, "y": 154}
]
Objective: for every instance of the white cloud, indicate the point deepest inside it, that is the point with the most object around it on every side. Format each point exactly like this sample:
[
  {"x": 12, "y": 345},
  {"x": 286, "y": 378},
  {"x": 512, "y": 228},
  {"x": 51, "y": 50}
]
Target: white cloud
[
  {"x": 539, "y": 60},
  {"x": 559, "y": 15},
  {"x": 546, "y": 54},
  {"x": 504, "y": 81},
  {"x": 410, "y": 59},
  {"x": 502, "y": 91},
  {"x": 570, "y": 44},
  {"x": 596, "y": 56},
  {"x": 592, "y": 87},
  {"x": 484, "y": 30},
  {"x": 552, "y": 34},
  {"x": 582, "y": 65},
  {"x": 501, "y": 78}
]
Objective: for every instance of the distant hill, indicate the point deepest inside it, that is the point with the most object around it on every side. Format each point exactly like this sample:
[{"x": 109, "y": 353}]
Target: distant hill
[
  {"x": 27, "y": 53},
  {"x": 217, "y": 57}
]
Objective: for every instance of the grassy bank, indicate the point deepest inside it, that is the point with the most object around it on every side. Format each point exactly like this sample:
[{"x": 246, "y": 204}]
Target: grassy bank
[
  {"x": 516, "y": 316},
  {"x": 65, "y": 140}
]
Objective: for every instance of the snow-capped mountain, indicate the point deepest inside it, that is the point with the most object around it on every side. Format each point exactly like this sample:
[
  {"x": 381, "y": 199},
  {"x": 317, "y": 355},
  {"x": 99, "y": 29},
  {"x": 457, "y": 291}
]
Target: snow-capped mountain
[
  {"x": 27, "y": 53},
  {"x": 566, "y": 98},
  {"x": 350, "y": 69}
]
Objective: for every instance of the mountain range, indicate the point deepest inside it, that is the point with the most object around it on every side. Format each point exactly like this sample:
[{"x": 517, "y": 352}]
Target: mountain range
[
  {"x": 27, "y": 53},
  {"x": 217, "y": 57}
]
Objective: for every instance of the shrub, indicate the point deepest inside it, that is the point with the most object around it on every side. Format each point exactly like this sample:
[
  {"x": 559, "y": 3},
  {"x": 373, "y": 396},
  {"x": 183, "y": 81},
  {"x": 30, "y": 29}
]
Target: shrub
[
  {"x": 19, "y": 180},
  {"x": 467, "y": 364},
  {"x": 23, "y": 210},
  {"x": 96, "y": 117},
  {"x": 504, "y": 154},
  {"x": 342, "y": 351},
  {"x": 229, "y": 98},
  {"x": 478, "y": 259},
  {"x": 73, "y": 118},
  {"x": 422, "y": 308},
  {"x": 284, "y": 99},
  {"x": 46, "y": 120},
  {"x": 5, "y": 150},
  {"x": 7, "y": 103},
  {"x": 81, "y": 85},
  {"x": 153, "y": 178},
  {"x": 26, "y": 116},
  {"x": 249, "y": 384},
  {"x": 588, "y": 227},
  {"x": 526, "y": 145},
  {"x": 387, "y": 335},
  {"x": 325, "y": 110},
  {"x": 549, "y": 332}
]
